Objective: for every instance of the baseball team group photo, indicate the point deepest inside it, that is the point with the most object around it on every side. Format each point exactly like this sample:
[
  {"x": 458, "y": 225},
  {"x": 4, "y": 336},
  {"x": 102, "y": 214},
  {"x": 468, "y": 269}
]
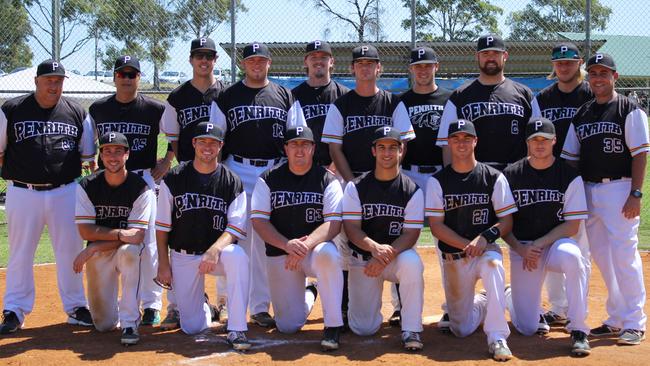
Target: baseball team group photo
[{"x": 328, "y": 221}]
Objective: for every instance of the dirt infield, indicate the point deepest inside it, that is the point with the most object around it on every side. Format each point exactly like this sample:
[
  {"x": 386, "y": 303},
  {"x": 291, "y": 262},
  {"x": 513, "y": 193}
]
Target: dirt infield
[{"x": 47, "y": 340}]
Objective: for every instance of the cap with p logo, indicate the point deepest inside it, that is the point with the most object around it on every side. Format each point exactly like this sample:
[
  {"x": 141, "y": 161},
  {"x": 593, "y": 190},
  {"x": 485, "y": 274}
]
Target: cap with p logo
[
  {"x": 490, "y": 42},
  {"x": 365, "y": 52},
  {"x": 113, "y": 139},
  {"x": 386, "y": 132},
  {"x": 540, "y": 126},
  {"x": 203, "y": 43},
  {"x": 208, "y": 130},
  {"x": 602, "y": 59},
  {"x": 125, "y": 61},
  {"x": 298, "y": 133},
  {"x": 318, "y": 46},
  {"x": 423, "y": 55},
  {"x": 50, "y": 68},
  {"x": 461, "y": 126},
  {"x": 565, "y": 51},
  {"x": 257, "y": 49}
]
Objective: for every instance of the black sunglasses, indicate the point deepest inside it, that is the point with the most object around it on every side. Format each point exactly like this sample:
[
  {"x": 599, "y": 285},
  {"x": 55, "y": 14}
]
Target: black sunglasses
[
  {"x": 204, "y": 55},
  {"x": 127, "y": 74}
]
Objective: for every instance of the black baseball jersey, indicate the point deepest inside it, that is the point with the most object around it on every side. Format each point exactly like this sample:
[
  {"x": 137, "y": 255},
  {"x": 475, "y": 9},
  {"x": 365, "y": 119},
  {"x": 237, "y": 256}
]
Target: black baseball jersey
[
  {"x": 560, "y": 107},
  {"x": 139, "y": 120},
  {"x": 545, "y": 198},
  {"x": 352, "y": 120},
  {"x": 255, "y": 119},
  {"x": 128, "y": 205},
  {"x": 296, "y": 204},
  {"x": 499, "y": 113},
  {"x": 425, "y": 111},
  {"x": 44, "y": 146},
  {"x": 470, "y": 202},
  {"x": 197, "y": 208},
  {"x": 186, "y": 106},
  {"x": 315, "y": 103},
  {"x": 384, "y": 207},
  {"x": 605, "y": 137}
]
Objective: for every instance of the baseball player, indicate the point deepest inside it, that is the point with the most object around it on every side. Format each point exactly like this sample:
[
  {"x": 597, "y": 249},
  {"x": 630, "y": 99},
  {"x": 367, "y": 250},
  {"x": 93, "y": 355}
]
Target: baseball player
[
  {"x": 43, "y": 140},
  {"x": 201, "y": 213},
  {"x": 139, "y": 118},
  {"x": 383, "y": 215},
  {"x": 608, "y": 139},
  {"x": 186, "y": 106},
  {"x": 296, "y": 210},
  {"x": 112, "y": 213},
  {"x": 498, "y": 107},
  {"x": 469, "y": 206},
  {"x": 254, "y": 113},
  {"x": 559, "y": 102},
  {"x": 551, "y": 206}
]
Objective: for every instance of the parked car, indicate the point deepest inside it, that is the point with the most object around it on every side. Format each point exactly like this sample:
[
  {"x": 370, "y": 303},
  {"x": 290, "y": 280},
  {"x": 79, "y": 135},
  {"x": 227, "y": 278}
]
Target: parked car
[
  {"x": 2, "y": 72},
  {"x": 173, "y": 77},
  {"x": 218, "y": 74},
  {"x": 103, "y": 76}
]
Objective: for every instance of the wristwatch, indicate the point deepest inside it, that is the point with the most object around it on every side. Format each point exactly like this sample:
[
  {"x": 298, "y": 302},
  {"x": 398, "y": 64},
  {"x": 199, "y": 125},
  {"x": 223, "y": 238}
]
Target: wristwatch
[{"x": 636, "y": 193}]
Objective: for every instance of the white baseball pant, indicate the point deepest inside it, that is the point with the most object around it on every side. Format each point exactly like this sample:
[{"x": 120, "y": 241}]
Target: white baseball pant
[{"x": 150, "y": 292}]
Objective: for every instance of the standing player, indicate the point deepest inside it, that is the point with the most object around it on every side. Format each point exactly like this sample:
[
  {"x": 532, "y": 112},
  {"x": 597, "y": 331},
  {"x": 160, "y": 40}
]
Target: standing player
[
  {"x": 559, "y": 102},
  {"x": 382, "y": 215},
  {"x": 112, "y": 212},
  {"x": 608, "y": 138},
  {"x": 469, "y": 206},
  {"x": 255, "y": 113},
  {"x": 186, "y": 106},
  {"x": 139, "y": 118},
  {"x": 551, "y": 207},
  {"x": 201, "y": 213},
  {"x": 43, "y": 139},
  {"x": 296, "y": 210},
  {"x": 498, "y": 107}
]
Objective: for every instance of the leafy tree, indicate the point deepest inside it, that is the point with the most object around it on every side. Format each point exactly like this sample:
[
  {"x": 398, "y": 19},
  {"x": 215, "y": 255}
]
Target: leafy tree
[
  {"x": 542, "y": 19},
  {"x": 362, "y": 15},
  {"x": 453, "y": 20},
  {"x": 14, "y": 51},
  {"x": 201, "y": 17}
]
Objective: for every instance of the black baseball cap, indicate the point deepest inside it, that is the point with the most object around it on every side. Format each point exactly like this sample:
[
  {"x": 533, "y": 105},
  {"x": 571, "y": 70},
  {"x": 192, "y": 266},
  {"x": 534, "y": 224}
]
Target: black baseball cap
[
  {"x": 257, "y": 49},
  {"x": 208, "y": 130},
  {"x": 50, "y": 68},
  {"x": 461, "y": 125},
  {"x": 540, "y": 126},
  {"x": 423, "y": 55},
  {"x": 490, "y": 42},
  {"x": 113, "y": 139},
  {"x": 565, "y": 51},
  {"x": 203, "y": 44},
  {"x": 365, "y": 52},
  {"x": 318, "y": 46},
  {"x": 602, "y": 59},
  {"x": 125, "y": 61},
  {"x": 386, "y": 132},
  {"x": 298, "y": 133}
]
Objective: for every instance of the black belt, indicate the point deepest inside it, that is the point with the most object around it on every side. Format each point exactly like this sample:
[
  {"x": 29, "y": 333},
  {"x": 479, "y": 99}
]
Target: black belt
[
  {"x": 255, "y": 162},
  {"x": 426, "y": 169},
  {"x": 361, "y": 256},
  {"x": 190, "y": 252},
  {"x": 38, "y": 187},
  {"x": 453, "y": 256},
  {"x": 603, "y": 179}
]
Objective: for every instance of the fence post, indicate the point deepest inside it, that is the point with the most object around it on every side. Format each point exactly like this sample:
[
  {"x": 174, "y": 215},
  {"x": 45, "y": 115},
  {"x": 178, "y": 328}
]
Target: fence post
[
  {"x": 233, "y": 54},
  {"x": 588, "y": 29},
  {"x": 56, "y": 36},
  {"x": 413, "y": 24}
]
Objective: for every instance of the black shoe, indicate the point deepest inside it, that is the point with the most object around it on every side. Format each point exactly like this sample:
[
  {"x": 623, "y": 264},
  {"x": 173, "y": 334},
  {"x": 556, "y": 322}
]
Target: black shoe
[
  {"x": 81, "y": 316},
  {"x": 330, "y": 341},
  {"x": 542, "y": 326},
  {"x": 130, "y": 336},
  {"x": 10, "y": 323},
  {"x": 150, "y": 317},
  {"x": 605, "y": 331},
  {"x": 263, "y": 319},
  {"x": 553, "y": 318},
  {"x": 444, "y": 324},
  {"x": 396, "y": 319},
  {"x": 580, "y": 345}
]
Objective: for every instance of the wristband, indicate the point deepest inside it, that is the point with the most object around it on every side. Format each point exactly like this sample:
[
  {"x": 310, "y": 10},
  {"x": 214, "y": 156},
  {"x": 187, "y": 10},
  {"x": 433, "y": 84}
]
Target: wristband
[{"x": 492, "y": 234}]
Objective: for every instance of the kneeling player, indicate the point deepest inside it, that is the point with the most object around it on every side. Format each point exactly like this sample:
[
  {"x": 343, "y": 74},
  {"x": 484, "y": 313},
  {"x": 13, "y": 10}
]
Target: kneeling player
[
  {"x": 383, "y": 215},
  {"x": 112, "y": 213},
  {"x": 201, "y": 213},
  {"x": 296, "y": 210},
  {"x": 469, "y": 206},
  {"x": 551, "y": 201}
]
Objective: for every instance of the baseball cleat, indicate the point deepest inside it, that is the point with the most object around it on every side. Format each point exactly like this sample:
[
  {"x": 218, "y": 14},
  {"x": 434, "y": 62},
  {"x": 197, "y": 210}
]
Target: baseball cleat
[
  {"x": 605, "y": 331},
  {"x": 411, "y": 341},
  {"x": 631, "y": 337},
  {"x": 444, "y": 323},
  {"x": 500, "y": 351},
  {"x": 150, "y": 317},
  {"x": 10, "y": 322},
  {"x": 263, "y": 319},
  {"x": 580, "y": 345},
  {"x": 553, "y": 318},
  {"x": 396, "y": 319},
  {"x": 330, "y": 341},
  {"x": 129, "y": 337},
  {"x": 542, "y": 327},
  {"x": 222, "y": 311},
  {"x": 81, "y": 316},
  {"x": 171, "y": 321},
  {"x": 238, "y": 341}
]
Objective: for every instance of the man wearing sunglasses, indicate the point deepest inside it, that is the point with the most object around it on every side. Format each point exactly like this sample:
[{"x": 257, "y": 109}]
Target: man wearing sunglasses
[
  {"x": 186, "y": 106},
  {"x": 139, "y": 118}
]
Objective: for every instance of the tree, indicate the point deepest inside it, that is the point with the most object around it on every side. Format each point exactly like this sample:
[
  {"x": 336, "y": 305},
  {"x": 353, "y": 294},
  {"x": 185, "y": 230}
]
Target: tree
[
  {"x": 542, "y": 19},
  {"x": 14, "y": 51},
  {"x": 201, "y": 17},
  {"x": 364, "y": 16},
  {"x": 453, "y": 20}
]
